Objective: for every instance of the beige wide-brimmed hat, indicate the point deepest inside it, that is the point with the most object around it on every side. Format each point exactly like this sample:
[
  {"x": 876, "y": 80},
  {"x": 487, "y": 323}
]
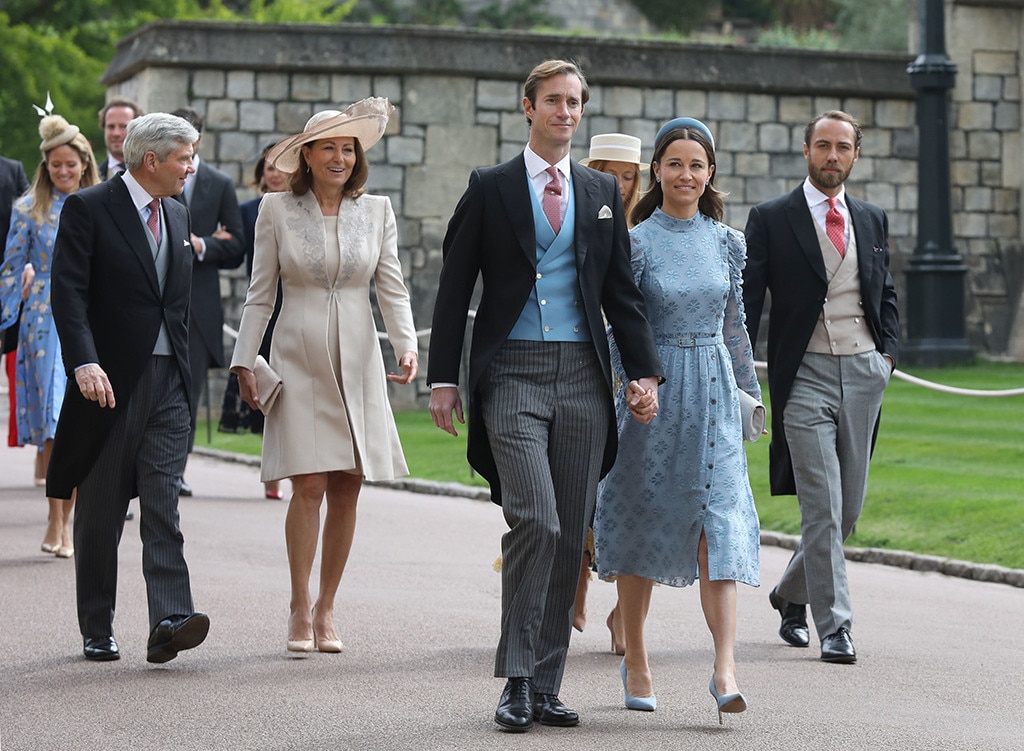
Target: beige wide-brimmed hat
[
  {"x": 613, "y": 147},
  {"x": 364, "y": 120}
]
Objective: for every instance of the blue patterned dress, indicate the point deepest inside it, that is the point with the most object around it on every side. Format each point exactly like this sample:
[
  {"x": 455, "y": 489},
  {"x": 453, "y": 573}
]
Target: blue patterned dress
[
  {"x": 687, "y": 470},
  {"x": 39, "y": 372}
]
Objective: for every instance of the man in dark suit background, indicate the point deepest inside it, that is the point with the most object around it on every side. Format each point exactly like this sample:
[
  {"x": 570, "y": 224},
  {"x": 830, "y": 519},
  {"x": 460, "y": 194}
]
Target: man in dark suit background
[
  {"x": 13, "y": 184},
  {"x": 833, "y": 337},
  {"x": 114, "y": 118},
  {"x": 548, "y": 238},
  {"x": 121, "y": 280},
  {"x": 217, "y": 244}
]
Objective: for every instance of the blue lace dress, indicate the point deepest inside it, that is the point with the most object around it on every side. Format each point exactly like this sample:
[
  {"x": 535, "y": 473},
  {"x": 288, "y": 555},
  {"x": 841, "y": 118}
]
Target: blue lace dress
[
  {"x": 39, "y": 371},
  {"x": 687, "y": 470}
]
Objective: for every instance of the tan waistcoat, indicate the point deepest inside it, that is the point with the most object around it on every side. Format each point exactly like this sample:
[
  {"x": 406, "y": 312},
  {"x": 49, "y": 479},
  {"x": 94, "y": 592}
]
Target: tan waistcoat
[{"x": 841, "y": 327}]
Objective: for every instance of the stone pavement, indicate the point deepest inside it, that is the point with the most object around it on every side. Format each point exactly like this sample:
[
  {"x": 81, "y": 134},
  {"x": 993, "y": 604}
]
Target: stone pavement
[{"x": 940, "y": 665}]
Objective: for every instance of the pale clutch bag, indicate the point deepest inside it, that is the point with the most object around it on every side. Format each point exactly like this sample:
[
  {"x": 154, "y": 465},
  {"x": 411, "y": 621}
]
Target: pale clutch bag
[
  {"x": 268, "y": 384},
  {"x": 752, "y": 413}
]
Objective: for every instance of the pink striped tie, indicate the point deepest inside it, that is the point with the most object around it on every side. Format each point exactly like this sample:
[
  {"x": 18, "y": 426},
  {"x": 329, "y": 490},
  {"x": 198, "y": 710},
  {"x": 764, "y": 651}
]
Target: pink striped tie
[
  {"x": 153, "y": 222},
  {"x": 552, "y": 203},
  {"x": 835, "y": 227}
]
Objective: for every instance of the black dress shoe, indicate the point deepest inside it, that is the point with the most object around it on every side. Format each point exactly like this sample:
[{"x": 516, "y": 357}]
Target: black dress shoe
[
  {"x": 549, "y": 710},
  {"x": 173, "y": 635},
  {"x": 838, "y": 647},
  {"x": 794, "y": 620},
  {"x": 129, "y": 515},
  {"x": 186, "y": 490},
  {"x": 515, "y": 710},
  {"x": 100, "y": 648}
]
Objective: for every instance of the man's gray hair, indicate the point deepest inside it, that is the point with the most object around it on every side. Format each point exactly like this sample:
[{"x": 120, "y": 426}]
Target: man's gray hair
[{"x": 158, "y": 132}]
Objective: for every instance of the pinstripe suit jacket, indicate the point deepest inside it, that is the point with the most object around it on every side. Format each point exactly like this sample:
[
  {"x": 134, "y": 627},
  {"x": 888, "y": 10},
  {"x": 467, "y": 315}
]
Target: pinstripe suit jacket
[
  {"x": 108, "y": 307},
  {"x": 492, "y": 235}
]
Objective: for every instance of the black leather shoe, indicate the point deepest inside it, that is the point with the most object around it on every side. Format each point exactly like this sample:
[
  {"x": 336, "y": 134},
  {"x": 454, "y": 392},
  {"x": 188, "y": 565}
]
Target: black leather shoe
[
  {"x": 173, "y": 635},
  {"x": 838, "y": 647},
  {"x": 100, "y": 648},
  {"x": 186, "y": 490},
  {"x": 129, "y": 515},
  {"x": 794, "y": 621},
  {"x": 549, "y": 710},
  {"x": 515, "y": 710}
]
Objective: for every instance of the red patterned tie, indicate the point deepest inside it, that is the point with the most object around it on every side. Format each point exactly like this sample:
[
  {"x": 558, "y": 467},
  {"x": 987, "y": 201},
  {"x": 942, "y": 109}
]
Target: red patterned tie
[
  {"x": 553, "y": 200},
  {"x": 835, "y": 228},
  {"x": 153, "y": 222}
]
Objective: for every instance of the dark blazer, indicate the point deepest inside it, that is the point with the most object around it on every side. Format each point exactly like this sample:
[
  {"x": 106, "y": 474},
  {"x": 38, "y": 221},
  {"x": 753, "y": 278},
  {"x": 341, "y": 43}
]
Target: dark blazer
[
  {"x": 784, "y": 258},
  {"x": 107, "y": 307},
  {"x": 492, "y": 235},
  {"x": 213, "y": 203},
  {"x": 13, "y": 184}
]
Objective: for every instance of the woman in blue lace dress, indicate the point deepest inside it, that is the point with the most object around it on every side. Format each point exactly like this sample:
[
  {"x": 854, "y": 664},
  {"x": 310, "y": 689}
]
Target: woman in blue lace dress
[
  {"x": 677, "y": 505},
  {"x": 67, "y": 165}
]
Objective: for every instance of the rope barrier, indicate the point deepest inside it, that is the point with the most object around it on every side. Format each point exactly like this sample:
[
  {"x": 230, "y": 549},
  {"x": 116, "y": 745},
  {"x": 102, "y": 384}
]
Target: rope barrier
[{"x": 762, "y": 366}]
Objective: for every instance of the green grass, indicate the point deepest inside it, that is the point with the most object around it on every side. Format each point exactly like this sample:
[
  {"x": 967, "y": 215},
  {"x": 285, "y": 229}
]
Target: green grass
[{"x": 947, "y": 476}]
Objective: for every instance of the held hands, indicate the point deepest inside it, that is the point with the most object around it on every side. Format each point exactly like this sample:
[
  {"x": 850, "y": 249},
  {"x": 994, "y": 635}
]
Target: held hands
[
  {"x": 642, "y": 399},
  {"x": 443, "y": 400},
  {"x": 247, "y": 386},
  {"x": 409, "y": 363},
  {"x": 93, "y": 383}
]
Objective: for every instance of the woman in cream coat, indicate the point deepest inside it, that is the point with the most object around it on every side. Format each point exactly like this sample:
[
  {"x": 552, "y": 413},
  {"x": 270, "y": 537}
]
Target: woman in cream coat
[{"x": 331, "y": 425}]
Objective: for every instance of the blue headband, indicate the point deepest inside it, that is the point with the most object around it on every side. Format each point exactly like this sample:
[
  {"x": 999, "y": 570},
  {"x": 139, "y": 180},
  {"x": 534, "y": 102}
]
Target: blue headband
[{"x": 684, "y": 122}]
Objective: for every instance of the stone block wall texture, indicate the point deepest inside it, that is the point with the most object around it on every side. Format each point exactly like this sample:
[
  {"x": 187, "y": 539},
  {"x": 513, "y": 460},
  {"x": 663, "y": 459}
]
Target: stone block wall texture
[{"x": 458, "y": 98}]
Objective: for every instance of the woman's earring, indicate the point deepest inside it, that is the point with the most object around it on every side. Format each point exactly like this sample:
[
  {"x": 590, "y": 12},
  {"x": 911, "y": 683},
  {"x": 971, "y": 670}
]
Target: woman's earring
[{"x": 657, "y": 179}]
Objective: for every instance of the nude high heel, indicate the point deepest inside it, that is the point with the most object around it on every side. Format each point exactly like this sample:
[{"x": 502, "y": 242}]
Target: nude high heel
[{"x": 617, "y": 648}]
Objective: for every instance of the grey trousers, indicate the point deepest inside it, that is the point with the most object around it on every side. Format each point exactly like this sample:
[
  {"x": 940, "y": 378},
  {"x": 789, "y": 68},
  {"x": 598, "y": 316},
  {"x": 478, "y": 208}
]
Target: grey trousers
[
  {"x": 829, "y": 420},
  {"x": 546, "y": 410},
  {"x": 144, "y": 455}
]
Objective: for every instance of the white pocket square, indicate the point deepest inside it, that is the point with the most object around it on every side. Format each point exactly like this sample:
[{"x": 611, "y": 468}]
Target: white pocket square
[
  {"x": 604, "y": 213},
  {"x": 187, "y": 243}
]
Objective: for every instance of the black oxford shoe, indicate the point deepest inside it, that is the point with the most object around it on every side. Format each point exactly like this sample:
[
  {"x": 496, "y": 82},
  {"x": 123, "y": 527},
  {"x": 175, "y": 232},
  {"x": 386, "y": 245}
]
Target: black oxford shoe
[
  {"x": 186, "y": 490},
  {"x": 838, "y": 647},
  {"x": 515, "y": 709},
  {"x": 173, "y": 635},
  {"x": 100, "y": 648},
  {"x": 549, "y": 710},
  {"x": 794, "y": 620}
]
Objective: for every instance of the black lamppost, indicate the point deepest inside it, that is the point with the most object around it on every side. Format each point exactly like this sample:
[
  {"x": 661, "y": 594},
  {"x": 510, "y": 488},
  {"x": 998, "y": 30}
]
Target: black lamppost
[{"x": 935, "y": 273}]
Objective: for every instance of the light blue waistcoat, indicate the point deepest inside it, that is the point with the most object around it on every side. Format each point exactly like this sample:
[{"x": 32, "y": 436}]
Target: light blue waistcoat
[{"x": 554, "y": 311}]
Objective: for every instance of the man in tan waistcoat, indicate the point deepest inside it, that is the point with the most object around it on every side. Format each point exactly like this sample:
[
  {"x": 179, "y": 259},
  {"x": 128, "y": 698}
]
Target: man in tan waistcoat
[{"x": 833, "y": 336}]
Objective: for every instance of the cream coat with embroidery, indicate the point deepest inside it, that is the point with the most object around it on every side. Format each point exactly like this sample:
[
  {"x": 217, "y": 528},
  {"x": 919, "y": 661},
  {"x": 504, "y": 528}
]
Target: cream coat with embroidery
[{"x": 333, "y": 411}]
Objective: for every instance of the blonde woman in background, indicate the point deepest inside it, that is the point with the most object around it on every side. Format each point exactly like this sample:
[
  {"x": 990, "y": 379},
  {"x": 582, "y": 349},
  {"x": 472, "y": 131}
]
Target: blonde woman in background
[
  {"x": 616, "y": 154},
  {"x": 67, "y": 165}
]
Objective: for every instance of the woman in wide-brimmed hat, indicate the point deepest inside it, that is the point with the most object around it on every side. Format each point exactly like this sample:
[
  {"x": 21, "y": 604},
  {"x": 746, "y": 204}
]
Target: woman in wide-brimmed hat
[{"x": 331, "y": 425}]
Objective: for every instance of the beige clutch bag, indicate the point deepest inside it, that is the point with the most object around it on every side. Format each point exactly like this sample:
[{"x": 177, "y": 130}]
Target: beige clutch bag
[
  {"x": 752, "y": 413},
  {"x": 268, "y": 384}
]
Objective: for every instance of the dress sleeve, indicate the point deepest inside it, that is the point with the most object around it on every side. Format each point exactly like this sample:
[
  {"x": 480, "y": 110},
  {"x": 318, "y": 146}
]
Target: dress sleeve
[
  {"x": 734, "y": 330},
  {"x": 392, "y": 294},
  {"x": 262, "y": 294},
  {"x": 638, "y": 263},
  {"x": 16, "y": 253}
]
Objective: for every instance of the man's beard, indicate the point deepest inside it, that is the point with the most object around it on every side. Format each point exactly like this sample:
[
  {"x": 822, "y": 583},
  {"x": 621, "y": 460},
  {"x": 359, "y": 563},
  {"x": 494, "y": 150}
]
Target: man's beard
[{"x": 829, "y": 179}]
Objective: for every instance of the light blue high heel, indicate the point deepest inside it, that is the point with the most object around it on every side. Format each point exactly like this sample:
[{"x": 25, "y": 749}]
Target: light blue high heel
[
  {"x": 643, "y": 703},
  {"x": 731, "y": 703}
]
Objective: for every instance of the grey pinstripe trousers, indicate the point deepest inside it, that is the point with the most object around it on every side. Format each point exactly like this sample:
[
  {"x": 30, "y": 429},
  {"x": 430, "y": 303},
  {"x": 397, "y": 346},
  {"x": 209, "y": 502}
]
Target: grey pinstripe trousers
[
  {"x": 830, "y": 418},
  {"x": 144, "y": 455},
  {"x": 546, "y": 408}
]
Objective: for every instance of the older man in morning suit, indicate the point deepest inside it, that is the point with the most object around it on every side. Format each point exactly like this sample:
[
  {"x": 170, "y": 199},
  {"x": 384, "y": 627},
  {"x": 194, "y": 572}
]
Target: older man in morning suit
[
  {"x": 548, "y": 238},
  {"x": 833, "y": 337},
  {"x": 121, "y": 279}
]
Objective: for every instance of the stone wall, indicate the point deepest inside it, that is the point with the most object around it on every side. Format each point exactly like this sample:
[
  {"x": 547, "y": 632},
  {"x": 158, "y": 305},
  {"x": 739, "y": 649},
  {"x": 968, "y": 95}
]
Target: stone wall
[{"x": 458, "y": 93}]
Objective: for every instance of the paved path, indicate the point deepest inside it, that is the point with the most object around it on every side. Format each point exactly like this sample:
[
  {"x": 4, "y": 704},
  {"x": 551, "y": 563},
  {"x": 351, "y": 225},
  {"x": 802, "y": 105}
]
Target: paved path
[{"x": 941, "y": 658}]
